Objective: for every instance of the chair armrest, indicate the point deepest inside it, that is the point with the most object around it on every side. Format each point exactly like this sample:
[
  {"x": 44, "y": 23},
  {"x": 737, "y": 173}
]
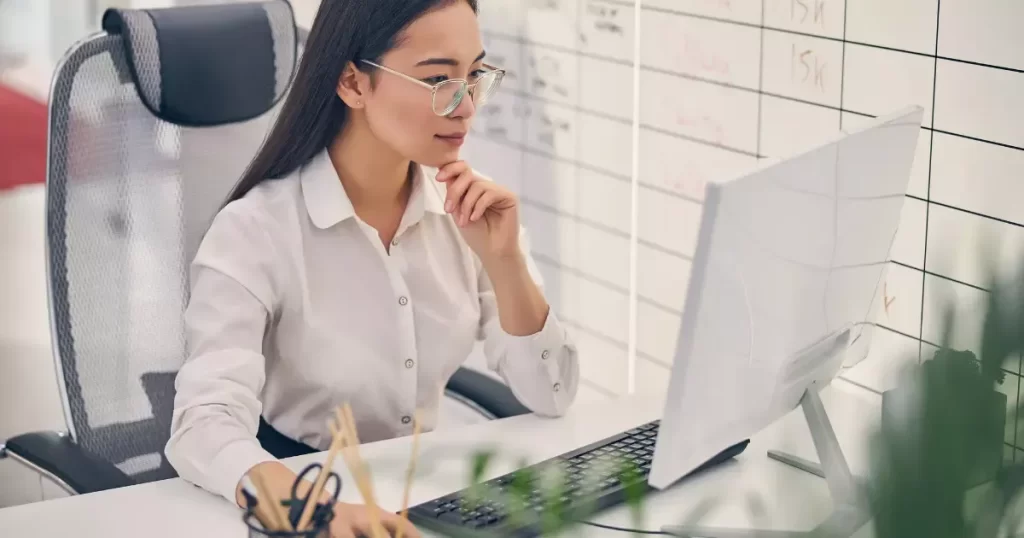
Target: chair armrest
[
  {"x": 60, "y": 458},
  {"x": 491, "y": 396}
]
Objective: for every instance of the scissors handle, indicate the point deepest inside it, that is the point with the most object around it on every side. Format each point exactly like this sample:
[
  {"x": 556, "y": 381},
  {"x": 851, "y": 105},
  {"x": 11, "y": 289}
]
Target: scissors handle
[
  {"x": 313, "y": 468},
  {"x": 297, "y": 504},
  {"x": 337, "y": 486}
]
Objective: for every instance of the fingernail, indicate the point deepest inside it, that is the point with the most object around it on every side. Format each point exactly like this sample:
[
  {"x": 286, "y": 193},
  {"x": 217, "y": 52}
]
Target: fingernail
[{"x": 448, "y": 206}]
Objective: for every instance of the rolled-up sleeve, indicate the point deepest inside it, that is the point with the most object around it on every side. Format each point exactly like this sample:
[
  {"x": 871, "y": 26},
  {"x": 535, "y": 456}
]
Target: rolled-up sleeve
[
  {"x": 542, "y": 369},
  {"x": 217, "y": 403}
]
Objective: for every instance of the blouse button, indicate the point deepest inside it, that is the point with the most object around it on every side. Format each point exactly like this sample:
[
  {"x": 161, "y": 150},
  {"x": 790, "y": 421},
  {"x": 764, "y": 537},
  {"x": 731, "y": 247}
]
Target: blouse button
[
  {"x": 403, "y": 300},
  {"x": 406, "y": 419},
  {"x": 557, "y": 386},
  {"x": 409, "y": 363},
  {"x": 545, "y": 354}
]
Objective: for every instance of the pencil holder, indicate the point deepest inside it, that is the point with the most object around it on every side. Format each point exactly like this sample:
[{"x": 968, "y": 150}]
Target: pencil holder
[{"x": 320, "y": 524}]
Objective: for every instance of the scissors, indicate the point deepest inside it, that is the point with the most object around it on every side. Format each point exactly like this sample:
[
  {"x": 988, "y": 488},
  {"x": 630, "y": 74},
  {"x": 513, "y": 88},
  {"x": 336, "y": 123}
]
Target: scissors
[{"x": 297, "y": 504}]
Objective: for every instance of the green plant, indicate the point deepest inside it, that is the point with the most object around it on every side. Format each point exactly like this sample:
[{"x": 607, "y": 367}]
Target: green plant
[{"x": 924, "y": 468}]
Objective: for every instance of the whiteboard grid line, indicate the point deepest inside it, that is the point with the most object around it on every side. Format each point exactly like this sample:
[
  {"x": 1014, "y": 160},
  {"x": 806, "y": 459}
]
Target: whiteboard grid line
[
  {"x": 932, "y": 344},
  {"x": 604, "y": 228},
  {"x": 605, "y": 391},
  {"x": 611, "y": 174},
  {"x": 729, "y": 85},
  {"x": 740, "y": 151},
  {"x": 624, "y": 122},
  {"x": 687, "y": 14},
  {"x": 622, "y": 346},
  {"x": 928, "y": 187},
  {"x": 760, "y": 82},
  {"x": 842, "y": 66},
  {"x": 544, "y": 259},
  {"x": 641, "y": 355},
  {"x": 975, "y": 287},
  {"x": 662, "y": 190},
  {"x": 973, "y": 213},
  {"x": 825, "y": 106}
]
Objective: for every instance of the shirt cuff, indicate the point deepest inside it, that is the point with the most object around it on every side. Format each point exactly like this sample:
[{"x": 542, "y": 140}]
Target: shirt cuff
[
  {"x": 232, "y": 464},
  {"x": 547, "y": 363},
  {"x": 540, "y": 345}
]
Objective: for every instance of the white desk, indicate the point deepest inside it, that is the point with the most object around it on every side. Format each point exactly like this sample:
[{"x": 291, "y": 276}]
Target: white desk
[{"x": 752, "y": 490}]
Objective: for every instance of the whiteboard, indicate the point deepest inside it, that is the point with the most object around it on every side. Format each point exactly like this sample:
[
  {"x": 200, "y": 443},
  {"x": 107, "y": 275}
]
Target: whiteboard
[{"x": 723, "y": 83}]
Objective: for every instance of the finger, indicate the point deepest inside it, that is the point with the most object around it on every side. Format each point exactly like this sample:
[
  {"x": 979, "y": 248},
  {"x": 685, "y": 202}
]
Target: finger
[
  {"x": 362, "y": 527},
  {"x": 482, "y": 204},
  {"x": 456, "y": 189},
  {"x": 394, "y": 522},
  {"x": 364, "y": 523},
  {"x": 341, "y": 529},
  {"x": 451, "y": 170},
  {"x": 408, "y": 529},
  {"x": 469, "y": 201}
]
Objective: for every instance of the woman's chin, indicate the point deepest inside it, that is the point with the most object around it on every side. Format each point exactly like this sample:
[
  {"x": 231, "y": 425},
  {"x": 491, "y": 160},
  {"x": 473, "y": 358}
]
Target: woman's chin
[{"x": 437, "y": 159}]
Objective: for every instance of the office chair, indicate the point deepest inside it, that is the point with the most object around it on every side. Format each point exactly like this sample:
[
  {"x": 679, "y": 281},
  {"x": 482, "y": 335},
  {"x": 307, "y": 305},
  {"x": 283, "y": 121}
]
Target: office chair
[{"x": 151, "y": 122}]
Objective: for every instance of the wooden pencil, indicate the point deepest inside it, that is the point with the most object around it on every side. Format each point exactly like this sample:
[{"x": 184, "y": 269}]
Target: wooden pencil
[
  {"x": 318, "y": 486},
  {"x": 357, "y": 467},
  {"x": 411, "y": 471},
  {"x": 271, "y": 518}
]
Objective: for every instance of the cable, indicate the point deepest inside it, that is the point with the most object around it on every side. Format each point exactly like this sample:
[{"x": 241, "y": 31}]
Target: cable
[{"x": 623, "y": 529}]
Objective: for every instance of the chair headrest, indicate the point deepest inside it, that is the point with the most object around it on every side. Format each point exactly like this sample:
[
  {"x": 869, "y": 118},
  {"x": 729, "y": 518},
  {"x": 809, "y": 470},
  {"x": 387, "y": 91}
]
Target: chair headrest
[{"x": 209, "y": 65}]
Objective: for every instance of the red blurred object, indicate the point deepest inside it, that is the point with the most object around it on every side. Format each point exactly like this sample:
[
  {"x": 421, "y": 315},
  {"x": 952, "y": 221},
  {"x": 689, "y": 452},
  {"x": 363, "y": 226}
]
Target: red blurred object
[{"x": 22, "y": 139}]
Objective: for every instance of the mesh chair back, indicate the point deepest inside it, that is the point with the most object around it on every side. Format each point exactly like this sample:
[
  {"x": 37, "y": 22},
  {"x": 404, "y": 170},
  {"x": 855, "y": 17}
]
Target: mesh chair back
[{"x": 148, "y": 133}]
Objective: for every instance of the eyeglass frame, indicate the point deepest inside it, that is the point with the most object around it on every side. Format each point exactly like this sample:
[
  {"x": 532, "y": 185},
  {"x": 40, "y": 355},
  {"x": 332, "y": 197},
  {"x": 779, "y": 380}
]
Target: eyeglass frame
[{"x": 470, "y": 87}]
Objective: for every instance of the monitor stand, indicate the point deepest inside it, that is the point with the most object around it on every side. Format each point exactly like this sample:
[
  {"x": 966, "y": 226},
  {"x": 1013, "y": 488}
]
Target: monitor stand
[{"x": 851, "y": 511}]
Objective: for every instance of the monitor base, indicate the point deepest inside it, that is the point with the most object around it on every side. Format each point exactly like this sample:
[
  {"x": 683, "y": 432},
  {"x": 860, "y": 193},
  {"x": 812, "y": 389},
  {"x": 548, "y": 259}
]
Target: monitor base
[{"x": 851, "y": 510}]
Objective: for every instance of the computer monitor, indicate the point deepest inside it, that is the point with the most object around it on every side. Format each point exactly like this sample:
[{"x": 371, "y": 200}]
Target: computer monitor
[{"x": 788, "y": 263}]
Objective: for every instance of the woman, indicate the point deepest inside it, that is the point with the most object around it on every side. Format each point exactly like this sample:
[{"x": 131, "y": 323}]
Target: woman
[{"x": 344, "y": 270}]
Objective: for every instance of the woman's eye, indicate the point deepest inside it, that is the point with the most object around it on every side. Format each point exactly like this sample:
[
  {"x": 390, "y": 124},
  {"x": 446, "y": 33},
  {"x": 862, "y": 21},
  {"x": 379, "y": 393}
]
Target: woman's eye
[
  {"x": 477, "y": 73},
  {"x": 436, "y": 80}
]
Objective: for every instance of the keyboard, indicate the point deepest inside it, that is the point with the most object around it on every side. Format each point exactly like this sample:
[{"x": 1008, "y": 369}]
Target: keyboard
[{"x": 591, "y": 478}]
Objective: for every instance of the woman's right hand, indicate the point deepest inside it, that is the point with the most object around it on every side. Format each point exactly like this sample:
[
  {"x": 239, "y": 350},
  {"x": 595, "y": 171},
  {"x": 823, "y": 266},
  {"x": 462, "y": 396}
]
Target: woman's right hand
[{"x": 353, "y": 520}]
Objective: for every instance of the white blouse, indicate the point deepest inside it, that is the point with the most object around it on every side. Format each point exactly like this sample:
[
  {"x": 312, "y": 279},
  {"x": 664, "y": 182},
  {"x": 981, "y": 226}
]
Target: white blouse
[{"x": 297, "y": 308}]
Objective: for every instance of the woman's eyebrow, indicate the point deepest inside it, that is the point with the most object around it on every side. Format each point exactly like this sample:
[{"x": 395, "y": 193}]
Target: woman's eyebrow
[{"x": 448, "y": 61}]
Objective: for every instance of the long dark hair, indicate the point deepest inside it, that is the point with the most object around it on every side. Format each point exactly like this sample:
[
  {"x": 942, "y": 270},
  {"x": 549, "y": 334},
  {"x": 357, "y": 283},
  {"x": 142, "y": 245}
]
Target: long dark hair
[{"x": 343, "y": 31}]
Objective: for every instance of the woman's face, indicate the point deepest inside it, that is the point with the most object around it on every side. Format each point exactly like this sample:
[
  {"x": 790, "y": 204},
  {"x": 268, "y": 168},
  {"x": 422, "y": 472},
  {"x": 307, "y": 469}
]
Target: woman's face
[{"x": 441, "y": 45}]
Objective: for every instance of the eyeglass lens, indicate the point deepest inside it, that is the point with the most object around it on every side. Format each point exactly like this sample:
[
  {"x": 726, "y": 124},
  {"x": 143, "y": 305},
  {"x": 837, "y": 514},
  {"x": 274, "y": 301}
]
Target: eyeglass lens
[{"x": 449, "y": 94}]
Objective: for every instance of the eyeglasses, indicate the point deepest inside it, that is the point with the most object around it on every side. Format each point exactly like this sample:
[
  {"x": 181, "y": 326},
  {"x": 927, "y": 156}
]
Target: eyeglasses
[{"x": 446, "y": 95}]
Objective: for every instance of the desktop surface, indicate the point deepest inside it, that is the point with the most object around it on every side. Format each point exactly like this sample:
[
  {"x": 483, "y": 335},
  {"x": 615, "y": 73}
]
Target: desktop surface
[{"x": 750, "y": 490}]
